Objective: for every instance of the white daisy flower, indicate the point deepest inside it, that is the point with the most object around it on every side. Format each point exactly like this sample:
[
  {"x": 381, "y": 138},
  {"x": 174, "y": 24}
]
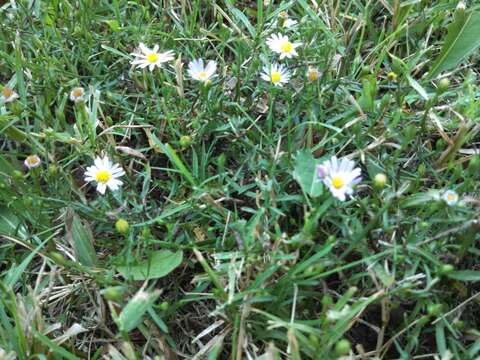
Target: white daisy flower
[
  {"x": 32, "y": 161},
  {"x": 198, "y": 71},
  {"x": 450, "y": 197},
  {"x": 8, "y": 95},
  {"x": 280, "y": 44},
  {"x": 276, "y": 74},
  {"x": 312, "y": 74},
  {"x": 105, "y": 174},
  {"x": 77, "y": 94},
  {"x": 339, "y": 175},
  {"x": 151, "y": 58}
]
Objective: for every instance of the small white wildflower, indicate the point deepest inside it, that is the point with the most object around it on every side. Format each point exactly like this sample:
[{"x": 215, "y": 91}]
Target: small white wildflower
[
  {"x": 461, "y": 6},
  {"x": 450, "y": 197},
  {"x": 280, "y": 44},
  {"x": 77, "y": 94},
  {"x": 198, "y": 71},
  {"x": 8, "y": 95},
  {"x": 151, "y": 58},
  {"x": 105, "y": 174},
  {"x": 276, "y": 74},
  {"x": 32, "y": 161},
  {"x": 339, "y": 175}
]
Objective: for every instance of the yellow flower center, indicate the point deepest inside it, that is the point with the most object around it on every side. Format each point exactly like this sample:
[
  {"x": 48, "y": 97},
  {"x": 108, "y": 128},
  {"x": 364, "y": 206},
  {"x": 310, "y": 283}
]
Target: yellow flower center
[
  {"x": 337, "y": 182},
  {"x": 32, "y": 160},
  {"x": 451, "y": 197},
  {"x": 287, "y": 47},
  {"x": 152, "y": 57},
  {"x": 7, "y": 92},
  {"x": 103, "y": 176},
  {"x": 202, "y": 75},
  {"x": 283, "y": 14},
  {"x": 77, "y": 92},
  {"x": 275, "y": 76},
  {"x": 312, "y": 75}
]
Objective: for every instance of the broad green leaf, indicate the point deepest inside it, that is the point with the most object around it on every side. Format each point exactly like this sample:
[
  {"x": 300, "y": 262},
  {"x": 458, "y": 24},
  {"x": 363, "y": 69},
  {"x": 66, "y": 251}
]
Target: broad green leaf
[
  {"x": 305, "y": 173},
  {"x": 465, "y": 275},
  {"x": 80, "y": 237},
  {"x": 159, "y": 264},
  {"x": 11, "y": 225},
  {"x": 462, "y": 39},
  {"x": 136, "y": 308}
]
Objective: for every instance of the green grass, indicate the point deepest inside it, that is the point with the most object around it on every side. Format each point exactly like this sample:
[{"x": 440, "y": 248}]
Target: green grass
[{"x": 234, "y": 249}]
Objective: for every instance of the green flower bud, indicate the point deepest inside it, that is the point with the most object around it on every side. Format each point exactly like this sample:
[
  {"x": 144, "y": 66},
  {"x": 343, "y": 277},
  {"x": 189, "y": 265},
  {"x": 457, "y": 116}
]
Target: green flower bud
[
  {"x": 343, "y": 347},
  {"x": 459, "y": 324},
  {"x": 164, "y": 306},
  {"x": 365, "y": 70},
  {"x": 17, "y": 174},
  {"x": 434, "y": 309},
  {"x": 185, "y": 141},
  {"x": 380, "y": 180},
  {"x": 122, "y": 226},
  {"x": 114, "y": 293},
  {"x": 52, "y": 170},
  {"x": 57, "y": 257},
  {"x": 221, "y": 160},
  {"x": 443, "y": 85},
  {"x": 446, "y": 269}
]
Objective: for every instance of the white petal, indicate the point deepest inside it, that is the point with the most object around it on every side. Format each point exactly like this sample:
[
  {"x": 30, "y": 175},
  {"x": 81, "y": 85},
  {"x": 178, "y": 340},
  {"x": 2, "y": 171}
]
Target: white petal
[
  {"x": 98, "y": 163},
  {"x": 101, "y": 187},
  {"x": 144, "y": 49}
]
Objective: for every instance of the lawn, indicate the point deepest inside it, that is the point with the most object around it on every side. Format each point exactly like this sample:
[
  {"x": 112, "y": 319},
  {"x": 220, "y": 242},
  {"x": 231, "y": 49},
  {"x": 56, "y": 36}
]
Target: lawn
[{"x": 228, "y": 179}]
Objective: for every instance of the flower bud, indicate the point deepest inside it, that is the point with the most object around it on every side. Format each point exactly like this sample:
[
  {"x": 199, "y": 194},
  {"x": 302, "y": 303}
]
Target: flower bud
[
  {"x": 443, "y": 85},
  {"x": 17, "y": 174},
  {"x": 57, "y": 257},
  {"x": 446, "y": 269},
  {"x": 392, "y": 76},
  {"x": 434, "y": 309},
  {"x": 343, "y": 347},
  {"x": 185, "y": 141},
  {"x": 113, "y": 293},
  {"x": 380, "y": 180},
  {"x": 122, "y": 226},
  {"x": 221, "y": 160}
]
